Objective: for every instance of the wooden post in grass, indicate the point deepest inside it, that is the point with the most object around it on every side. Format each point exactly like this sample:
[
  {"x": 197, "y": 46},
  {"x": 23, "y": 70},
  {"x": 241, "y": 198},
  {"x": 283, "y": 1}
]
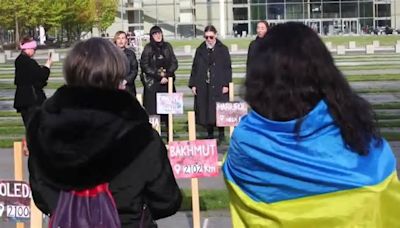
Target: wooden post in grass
[
  {"x": 18, "y": 169},
  {"x": 231, "y": 98},
  {"x": 139, "y": 97},
  {"x": 170, "y": 120},
  {"x": 195, "y": 181},
  {"x": 36, "y": 214}
]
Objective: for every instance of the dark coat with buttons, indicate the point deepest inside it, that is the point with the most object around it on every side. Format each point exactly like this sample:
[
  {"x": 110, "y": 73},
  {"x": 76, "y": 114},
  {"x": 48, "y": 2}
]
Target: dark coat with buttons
[
  {"x": 220, "y": 75},
  {"x": 82, "y": 137}
]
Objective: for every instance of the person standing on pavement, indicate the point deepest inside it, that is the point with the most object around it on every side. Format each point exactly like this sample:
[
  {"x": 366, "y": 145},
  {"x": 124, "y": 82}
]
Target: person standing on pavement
[
  {"x": 262, "y": 29},
  {"x": 91, "y": 132},
  {"x": 30, "y": 79},
  {"x": 309, "y": 154},
  {"x": 158, "y": 64},
  {"x": 120, "y": 39},
  {"x": 209, "y": 80}
]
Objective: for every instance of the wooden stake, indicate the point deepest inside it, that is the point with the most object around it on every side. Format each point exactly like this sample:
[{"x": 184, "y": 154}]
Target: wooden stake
[
  {"x": 231, "y": 98},
  {"x": 195, "y": 181},
  {"x": 18, "y": 169},
  {"x": 170, "y": 120}
]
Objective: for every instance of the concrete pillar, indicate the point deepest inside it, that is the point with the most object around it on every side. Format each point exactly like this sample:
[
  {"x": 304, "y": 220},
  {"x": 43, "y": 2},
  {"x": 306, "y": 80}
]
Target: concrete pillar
[
  {"x": 375, "y": 43},
  {"x": 397, "y": 48},
  {"x": 328, "y": 45},
  {"x": 8, "y": 54},
  {"x": 2, "y": 58},
  {"x": 341, "y": 50},
  {"x": 187, "y": 49},
  {"x": 352, "y": 44},
  {"x": 234, "y": 47},
  {"x": 370, "y": 49},
  {"x": 222, "y": 22}
]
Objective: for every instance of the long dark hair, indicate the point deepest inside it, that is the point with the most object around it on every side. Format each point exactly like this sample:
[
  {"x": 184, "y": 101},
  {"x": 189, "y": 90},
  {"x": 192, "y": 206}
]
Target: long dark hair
[{"x": 292, "y": 71}]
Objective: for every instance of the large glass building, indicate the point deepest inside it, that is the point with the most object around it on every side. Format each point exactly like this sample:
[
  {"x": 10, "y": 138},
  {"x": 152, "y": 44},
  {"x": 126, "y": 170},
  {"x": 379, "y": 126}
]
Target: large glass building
[{"x": 239, "y": 17}]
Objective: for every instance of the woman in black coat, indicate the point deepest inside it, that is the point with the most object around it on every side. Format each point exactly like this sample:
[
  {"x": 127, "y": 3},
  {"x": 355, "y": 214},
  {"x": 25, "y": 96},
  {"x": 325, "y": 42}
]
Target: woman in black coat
[
  {"x": 209, "y": 80},
  {"x": 121, "y": 40},
  {"x": 158, "y": 64},
  {"x": 30, "y": 78},
  {"x": 90, "y": 132}
]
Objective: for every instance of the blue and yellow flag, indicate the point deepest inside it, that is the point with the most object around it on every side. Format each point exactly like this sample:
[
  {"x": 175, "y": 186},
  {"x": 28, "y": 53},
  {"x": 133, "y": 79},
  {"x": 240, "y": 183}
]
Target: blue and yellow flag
[{"x": 276, "y": 178}]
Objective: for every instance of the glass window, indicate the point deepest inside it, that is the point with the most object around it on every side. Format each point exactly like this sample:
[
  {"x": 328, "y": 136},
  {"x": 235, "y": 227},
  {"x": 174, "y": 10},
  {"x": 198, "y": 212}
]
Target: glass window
[
  {"x": 288, "y": 1},
  {"x": 315, "y": 10},
  {"x": 275, "y": 1},
  {"x": 331, "y": 10},
  {"x": 367, "y": 26},
  {"x": 382, "y": 10},
  {"x": 240, "y": 14},
  {"x": 275, "y": 11},
  {"x": 258, "y": 12},
  {"x": 366, "y": 9},
  {"x": 135, "y": 16},
  {"x": 294, "y": 11},
  {"x": 239, "y": 1},
  {"x": 382, "y": 23},
  {"x": 258, "y": 1},
  {"x": 315, "y": 0},
  {"x": 349, "y": 10}
]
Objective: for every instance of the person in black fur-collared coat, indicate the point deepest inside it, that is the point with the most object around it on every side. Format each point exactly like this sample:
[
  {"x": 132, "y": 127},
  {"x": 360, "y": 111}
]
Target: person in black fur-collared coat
[{"x": 90, "y": 132}]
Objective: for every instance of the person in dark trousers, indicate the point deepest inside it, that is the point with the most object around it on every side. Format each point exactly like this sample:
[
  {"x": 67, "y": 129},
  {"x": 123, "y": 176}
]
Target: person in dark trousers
[
  {"x": 121, "y": 40},
  {"x": 262, "y": 29},
  {"x": 209, "y": 80},
  {"x": 92, "y": 131},
  {"x": 30, "y": 78},
  {"x": 158, "y": 64}
]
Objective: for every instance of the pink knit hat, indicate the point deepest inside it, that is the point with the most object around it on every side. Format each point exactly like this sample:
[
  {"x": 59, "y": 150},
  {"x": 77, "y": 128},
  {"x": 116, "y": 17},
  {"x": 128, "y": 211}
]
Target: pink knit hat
[{"x": 28, "y": 45}]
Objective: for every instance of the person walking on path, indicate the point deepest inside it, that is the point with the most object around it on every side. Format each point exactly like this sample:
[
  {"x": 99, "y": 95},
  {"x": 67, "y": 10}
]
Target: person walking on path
[
  {"x": 158, "y": 64},
  {"x": 309, "y": 154},
  {"x": 121, "y": 41},
  {"x": 91, "y": 132},
  {"x": 209, "y": 80},
  {"x": 30, "y": 79}
]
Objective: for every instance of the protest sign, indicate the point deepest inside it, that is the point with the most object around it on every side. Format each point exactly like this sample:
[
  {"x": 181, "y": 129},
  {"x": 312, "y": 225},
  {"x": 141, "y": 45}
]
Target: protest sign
[
  {"x": 169, "y": 103},
  {"x": 15, "y": 201},
  {"x": 155, "y": 122},
  {"x": 192, "y": 159},
  {"x": 229, "y": 113}
]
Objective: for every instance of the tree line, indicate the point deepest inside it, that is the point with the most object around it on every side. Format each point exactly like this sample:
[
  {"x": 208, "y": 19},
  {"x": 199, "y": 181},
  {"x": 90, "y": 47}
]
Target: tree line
[{"x": 68, "y": 19}]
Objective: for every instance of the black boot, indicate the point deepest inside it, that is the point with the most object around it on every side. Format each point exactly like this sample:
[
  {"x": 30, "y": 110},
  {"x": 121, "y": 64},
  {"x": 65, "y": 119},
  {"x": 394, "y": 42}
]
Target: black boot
[
  {"x": 221, "y": 134},
  {"x": 210, "y": 132}
]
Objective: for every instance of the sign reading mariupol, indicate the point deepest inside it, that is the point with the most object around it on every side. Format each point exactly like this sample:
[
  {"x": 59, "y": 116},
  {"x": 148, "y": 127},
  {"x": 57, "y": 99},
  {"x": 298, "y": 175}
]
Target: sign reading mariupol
[
  {"x": 169, "y": 103},
  {"x": 229, "y": 113},
  {"x": 192, "y": 159},
  {"x": 14, "y": 200}
]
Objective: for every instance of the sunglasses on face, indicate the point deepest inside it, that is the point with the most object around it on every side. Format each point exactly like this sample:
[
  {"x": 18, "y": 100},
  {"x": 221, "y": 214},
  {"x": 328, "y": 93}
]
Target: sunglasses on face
[{"x": 209, "y": 37}]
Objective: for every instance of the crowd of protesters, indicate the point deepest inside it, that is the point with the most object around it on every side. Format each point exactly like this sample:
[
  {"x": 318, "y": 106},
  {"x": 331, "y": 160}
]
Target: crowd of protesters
[{"x": 308, "y": 147}]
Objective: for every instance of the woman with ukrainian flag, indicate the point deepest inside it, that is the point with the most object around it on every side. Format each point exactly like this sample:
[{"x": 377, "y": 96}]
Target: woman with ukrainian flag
[{"x": 309, "y": 154}]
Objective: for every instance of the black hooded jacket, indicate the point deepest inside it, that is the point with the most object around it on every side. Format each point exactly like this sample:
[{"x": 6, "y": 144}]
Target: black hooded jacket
[{"x": 82, "y": 137}]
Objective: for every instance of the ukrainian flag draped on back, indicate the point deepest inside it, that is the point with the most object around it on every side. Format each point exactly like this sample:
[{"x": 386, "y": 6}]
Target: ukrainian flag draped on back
[{"x": 278, "y": 179}]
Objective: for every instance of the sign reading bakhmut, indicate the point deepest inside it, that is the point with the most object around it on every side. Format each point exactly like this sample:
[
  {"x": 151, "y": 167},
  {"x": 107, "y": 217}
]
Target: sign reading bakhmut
[
  {"x": 193, "y": 159},
  {"x": 14, "y": 200},
  {"x": 229, "y": 113},
  {"x": 169, "y": 103}
]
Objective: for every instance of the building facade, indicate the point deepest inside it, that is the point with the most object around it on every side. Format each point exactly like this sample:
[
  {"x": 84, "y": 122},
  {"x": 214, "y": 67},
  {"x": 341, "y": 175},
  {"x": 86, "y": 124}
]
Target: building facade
[{"x": 187, "y": 18}]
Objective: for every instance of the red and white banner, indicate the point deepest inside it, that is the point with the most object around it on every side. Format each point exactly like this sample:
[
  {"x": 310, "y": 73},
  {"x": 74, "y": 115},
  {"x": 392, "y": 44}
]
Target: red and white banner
[{"x": 229, "y": 113}]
